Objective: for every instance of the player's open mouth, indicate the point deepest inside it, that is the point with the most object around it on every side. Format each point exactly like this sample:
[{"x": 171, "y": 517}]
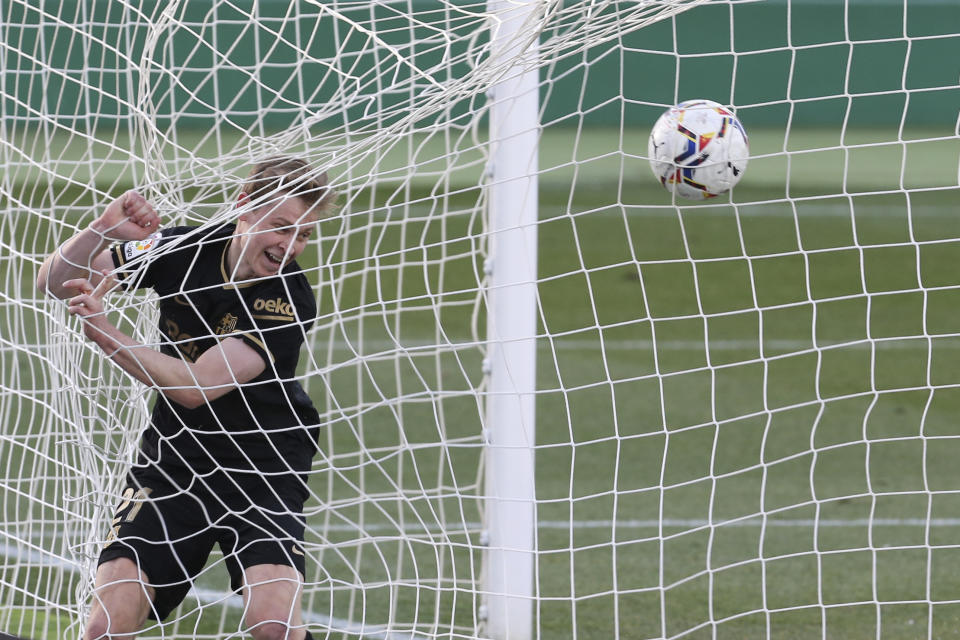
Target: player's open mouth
[{"x": 272, "y": 258}]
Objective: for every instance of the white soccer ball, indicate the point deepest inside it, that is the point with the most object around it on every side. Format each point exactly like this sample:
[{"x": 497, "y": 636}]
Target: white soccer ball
[{"x": 698, "y": 149}]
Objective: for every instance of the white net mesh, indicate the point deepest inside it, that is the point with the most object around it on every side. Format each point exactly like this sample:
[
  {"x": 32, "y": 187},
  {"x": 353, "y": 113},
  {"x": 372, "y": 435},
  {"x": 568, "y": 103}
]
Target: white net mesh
[{"x": 744, "y": 408}]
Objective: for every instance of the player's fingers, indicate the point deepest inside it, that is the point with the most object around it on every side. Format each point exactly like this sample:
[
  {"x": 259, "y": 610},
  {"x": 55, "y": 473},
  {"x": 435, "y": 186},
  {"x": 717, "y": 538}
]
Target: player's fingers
[
  {"x": 80, "y": 305},
  {"x": 142, "y": 213},
  {"x": 126, "y": 203},
  {"x": 133, "y": 204},
  {"x": 85, "y": 304},
  {"x": 146, "y": 219},
  {"x": 106, "y": 285},
  {"x": 80, "y": 284}
]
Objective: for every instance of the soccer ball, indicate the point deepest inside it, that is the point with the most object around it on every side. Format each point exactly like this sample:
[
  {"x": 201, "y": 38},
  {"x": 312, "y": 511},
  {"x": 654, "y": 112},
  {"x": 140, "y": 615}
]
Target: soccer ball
[{"x": 698, "y": 149}]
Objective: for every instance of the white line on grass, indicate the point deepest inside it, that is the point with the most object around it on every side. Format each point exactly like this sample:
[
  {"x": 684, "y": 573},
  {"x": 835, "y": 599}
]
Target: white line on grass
[
  {"x": 334, "y": 625},
  {"x": 382, "y": 347},
  {"x": 652, "y": 524},
  {"x": 806, "y": 209},
  {"x": 48, "y": 558},
  {"x": 918, "y": 342},
  {"x": 34, "y": 558},
  {"x": 757, "y": 522}
]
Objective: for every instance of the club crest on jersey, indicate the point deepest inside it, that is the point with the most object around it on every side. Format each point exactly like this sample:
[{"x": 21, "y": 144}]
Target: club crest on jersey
[
  {"x": 227, "y": 324},
  {"x": 277, "y": 306},
  {"x": 138, "y": 247}
]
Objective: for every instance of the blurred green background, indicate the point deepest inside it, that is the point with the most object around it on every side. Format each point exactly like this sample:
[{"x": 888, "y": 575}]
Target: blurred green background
[{"x": 800, "y": 62}]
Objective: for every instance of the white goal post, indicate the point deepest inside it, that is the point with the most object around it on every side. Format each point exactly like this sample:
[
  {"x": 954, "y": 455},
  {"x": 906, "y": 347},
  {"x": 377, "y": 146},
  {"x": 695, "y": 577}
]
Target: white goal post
[
  {"x": 555, "y": 401},
  {"x": 511, "y": 269}
]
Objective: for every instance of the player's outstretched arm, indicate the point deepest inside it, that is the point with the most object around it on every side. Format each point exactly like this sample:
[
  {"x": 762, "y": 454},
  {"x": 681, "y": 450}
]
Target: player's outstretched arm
[
  {"x": 218, "y": 371},
  {"x": 86, "y": 255}
]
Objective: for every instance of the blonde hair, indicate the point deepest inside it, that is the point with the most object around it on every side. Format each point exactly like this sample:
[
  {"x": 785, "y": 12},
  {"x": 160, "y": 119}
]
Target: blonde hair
[{"x": 294, "y": 177}]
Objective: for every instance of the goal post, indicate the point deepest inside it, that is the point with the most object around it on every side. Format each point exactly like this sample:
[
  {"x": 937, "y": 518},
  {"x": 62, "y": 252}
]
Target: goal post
[
  {"x": 511, "y": 268},
  {"x": 555, "y": 400}
]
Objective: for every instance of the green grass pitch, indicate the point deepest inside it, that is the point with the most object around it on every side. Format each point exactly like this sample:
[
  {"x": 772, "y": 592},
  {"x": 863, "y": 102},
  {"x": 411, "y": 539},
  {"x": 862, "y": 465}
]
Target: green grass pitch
[{"x": 746, "y": 408}]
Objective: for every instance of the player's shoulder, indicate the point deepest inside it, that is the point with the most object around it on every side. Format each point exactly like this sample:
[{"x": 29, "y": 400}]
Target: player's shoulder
[
  {"x": 206, "y": 242},
  {"x": 132, "y": 249},
  {"x": 125, "y": 252},
  {"x": 199, "y": 235},
  {"x": 293, "y": 278}
]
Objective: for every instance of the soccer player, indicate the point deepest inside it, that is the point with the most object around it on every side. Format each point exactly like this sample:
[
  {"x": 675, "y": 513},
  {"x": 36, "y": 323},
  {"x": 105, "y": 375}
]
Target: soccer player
[{"x": 232, "y": 434}]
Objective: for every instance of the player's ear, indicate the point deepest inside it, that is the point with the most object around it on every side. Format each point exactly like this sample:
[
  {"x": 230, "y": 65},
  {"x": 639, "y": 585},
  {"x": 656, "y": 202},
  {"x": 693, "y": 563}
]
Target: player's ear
[{"x": 243, "y": 200}]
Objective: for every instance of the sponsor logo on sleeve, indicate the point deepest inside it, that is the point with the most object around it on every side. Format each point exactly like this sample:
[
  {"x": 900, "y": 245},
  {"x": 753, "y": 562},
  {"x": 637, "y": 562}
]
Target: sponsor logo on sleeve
[{"x": 136, "y": 248}]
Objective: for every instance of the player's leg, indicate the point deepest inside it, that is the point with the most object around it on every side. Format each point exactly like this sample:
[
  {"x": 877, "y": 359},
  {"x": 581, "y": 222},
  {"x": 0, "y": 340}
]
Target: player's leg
[
  {"x": 262, "y": 543},
  {"x": 271, "y": 595},
  {"x": 159, "y": 542},
  {"x": 121, "y": 601}
]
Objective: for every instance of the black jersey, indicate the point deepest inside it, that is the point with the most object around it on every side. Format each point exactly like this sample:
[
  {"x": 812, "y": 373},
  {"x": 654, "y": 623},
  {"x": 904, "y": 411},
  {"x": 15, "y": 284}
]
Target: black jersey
[{"x": 269, "y": 424}]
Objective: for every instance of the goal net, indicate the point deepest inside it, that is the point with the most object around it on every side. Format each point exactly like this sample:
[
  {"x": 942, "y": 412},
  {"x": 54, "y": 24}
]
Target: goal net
[{"x": 744, "y": 409}]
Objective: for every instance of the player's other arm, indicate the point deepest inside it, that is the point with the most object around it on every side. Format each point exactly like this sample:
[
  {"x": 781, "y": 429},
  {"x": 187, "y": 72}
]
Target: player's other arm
[
  {"x": 219, "y": 370},
  {"x": 86, "y": 255}
]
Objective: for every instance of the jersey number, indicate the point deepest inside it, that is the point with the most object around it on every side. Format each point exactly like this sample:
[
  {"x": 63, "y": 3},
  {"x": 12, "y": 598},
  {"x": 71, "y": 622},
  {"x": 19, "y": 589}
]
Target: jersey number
[{"x": 128, "y": 510}]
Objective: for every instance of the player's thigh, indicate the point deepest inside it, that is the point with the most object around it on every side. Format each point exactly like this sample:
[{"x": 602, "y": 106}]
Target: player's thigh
[
  {"x": 121, "y": 599},
  {"x": 271, "y": 592}
]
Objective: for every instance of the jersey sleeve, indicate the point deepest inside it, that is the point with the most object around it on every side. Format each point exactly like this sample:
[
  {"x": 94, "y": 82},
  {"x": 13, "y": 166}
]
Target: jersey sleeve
[{"x": 135, "y": 268}]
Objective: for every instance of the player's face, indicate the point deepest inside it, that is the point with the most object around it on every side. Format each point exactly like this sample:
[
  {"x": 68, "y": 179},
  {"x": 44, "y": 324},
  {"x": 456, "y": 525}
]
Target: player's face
[{"x": 272, "y": 236}]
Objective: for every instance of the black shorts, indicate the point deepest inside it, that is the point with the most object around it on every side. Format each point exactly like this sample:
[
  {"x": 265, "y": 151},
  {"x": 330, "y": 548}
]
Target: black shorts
[{"x": 168, "y": 530}]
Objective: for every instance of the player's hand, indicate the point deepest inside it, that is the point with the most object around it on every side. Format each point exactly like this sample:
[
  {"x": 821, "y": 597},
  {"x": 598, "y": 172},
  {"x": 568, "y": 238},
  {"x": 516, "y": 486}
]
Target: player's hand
[
  {"x": 88, "y": 305},
  {"x": 129, "y": 217}
]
